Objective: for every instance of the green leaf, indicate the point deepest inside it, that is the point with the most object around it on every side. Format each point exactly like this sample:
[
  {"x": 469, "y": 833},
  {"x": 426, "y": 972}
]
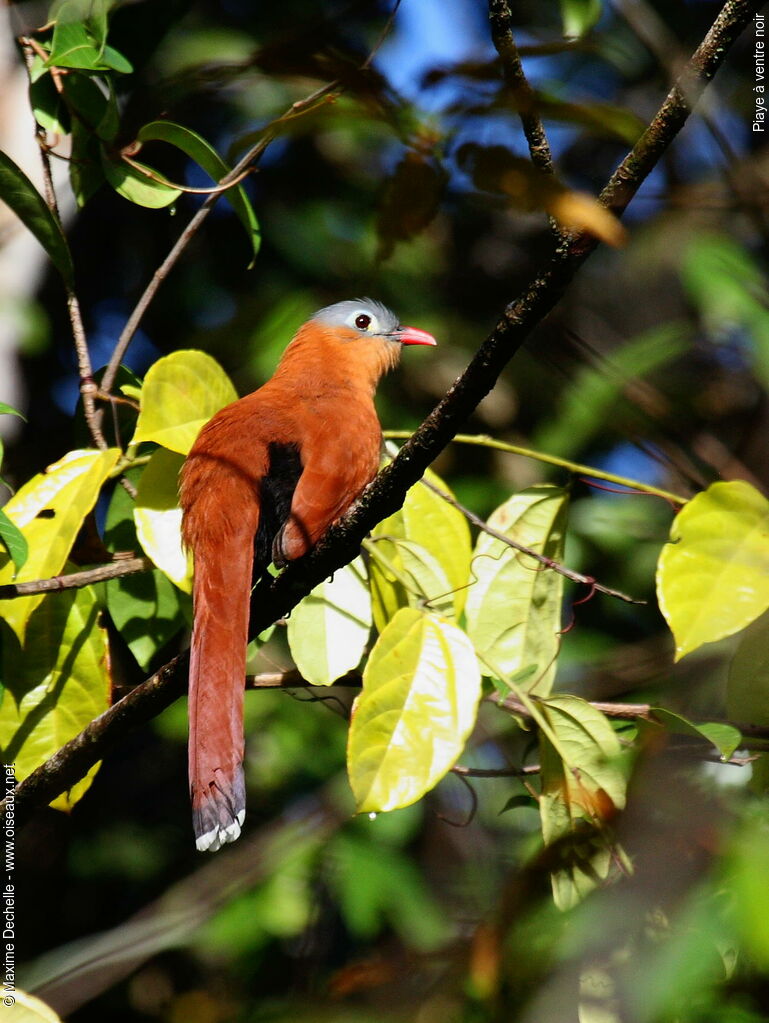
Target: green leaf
[
  {"x": 73, "y": 47},
  {"x": 115, "y": 61},
  {"x": 96, "y": 110},
  {"x": 204, "y": 154},
  {"x": 10, "y": 410},
  {"x": 13, "y": 540},
  {"x": 47, "y": 105},
  {"x": 713, "y": 577},
  {"x": 18, "y": 192},
  {"x": 56, "y": 685},
  {"x": 328, "y": 631},
  {"x": 129, "y": 181},
  {"x": 158, "y": 517},
  {"x": 725, "y": 738},
  {"x": 85, "y": 172},
  {"x": 146, "y": 607},
  {"x": 513, "y": 609},
  {"x": 581, "y": 779},
  {"x": 49, "y": 511},
  {"x": 579, "y": 16},
  {"x": 92, "y": 13},
  {"x": 421, "y": 689},
  {"x": 434, "y": 560},
  {"x": 180, "y": 394}
]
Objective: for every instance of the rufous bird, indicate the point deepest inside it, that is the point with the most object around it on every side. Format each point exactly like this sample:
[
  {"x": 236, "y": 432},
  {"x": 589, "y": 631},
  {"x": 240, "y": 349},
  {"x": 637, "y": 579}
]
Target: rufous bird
[{"x": 264, "y": 480}]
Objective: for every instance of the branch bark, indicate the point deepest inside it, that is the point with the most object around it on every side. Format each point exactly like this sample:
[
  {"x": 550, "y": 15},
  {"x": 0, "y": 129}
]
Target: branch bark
[{"x": 387, "y": 492}]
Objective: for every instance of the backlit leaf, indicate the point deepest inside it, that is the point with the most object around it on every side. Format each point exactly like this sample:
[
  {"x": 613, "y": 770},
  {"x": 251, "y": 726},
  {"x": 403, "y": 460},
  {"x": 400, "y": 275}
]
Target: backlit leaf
[
  {"x": 434, "y": 561},
  {"x": 180, "y": 394},
  {"x": 158, "y": 517},
  {"x": 513, "y": 607},
  {"x": 49, "y": 511},
  {"x": 56, "y": 686},
  {"x": 328, "y": 631},
  {"x": 138, "y": 183},
  {"x": 579, "y": 16},
  {"x": 713, "y": 576},
  {"x": 18, "y": 192},
  {"x": 421, "y": 688},
  {"x": 28, "y": 1009},
  {"x": 582, "y": 778}
]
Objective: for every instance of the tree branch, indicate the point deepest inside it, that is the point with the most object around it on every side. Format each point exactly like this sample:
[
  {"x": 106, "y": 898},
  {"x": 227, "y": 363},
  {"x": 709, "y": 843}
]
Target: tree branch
[
  {"x": 75, "y": 580},
  {"x": 500, "y": 19},
  {"x": 387, "y": 492}
]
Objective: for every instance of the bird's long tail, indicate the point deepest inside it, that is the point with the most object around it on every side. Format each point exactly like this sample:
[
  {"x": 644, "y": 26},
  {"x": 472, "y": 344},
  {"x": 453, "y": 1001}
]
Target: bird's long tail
[{"x": 217, "y": 676}]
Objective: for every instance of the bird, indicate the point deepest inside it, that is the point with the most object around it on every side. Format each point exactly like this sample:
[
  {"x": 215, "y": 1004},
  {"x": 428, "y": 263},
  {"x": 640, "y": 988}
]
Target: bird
[{"x": 263, "y": 481}]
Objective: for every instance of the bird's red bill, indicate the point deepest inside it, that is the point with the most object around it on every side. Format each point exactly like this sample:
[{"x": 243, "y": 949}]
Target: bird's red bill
[{"x": 415, "y": 336}]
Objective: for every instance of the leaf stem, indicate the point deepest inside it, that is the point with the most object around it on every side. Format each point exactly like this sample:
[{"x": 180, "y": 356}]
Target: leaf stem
[{"x": 481, "y": 440}]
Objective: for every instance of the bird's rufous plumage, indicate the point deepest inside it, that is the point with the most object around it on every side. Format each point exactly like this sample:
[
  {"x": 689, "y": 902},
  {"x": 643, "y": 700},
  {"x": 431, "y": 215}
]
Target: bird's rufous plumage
[{"x": 265, "y": 478}]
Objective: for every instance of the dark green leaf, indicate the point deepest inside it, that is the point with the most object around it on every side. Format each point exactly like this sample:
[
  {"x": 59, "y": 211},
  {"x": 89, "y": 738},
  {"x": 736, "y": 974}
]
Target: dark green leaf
[
  {"x": 146, "y": 608},
  {"x": 13, "y": 540},
  {"x": 726, "y": 738},
  {"x": 206, "y": 157},
  {"x": 45, "y": 100},
  {"x": 18, "y": 192},
  {"x": 85, "y": 172}
]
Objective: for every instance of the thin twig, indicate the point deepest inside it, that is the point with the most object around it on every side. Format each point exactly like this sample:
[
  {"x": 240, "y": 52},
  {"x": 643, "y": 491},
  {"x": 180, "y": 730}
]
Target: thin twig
[
  {"x": 496, "y": 772},
  {"x": 500, "y": 19},
  {"x": 85, "y": 370},
  {"x": 542, "y": 559},
  {"x": 75, "y": 580}
]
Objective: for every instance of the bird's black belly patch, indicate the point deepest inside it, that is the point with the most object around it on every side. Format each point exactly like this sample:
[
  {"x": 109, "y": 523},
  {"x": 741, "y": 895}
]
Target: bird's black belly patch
[{"x": 276, "y": 493}]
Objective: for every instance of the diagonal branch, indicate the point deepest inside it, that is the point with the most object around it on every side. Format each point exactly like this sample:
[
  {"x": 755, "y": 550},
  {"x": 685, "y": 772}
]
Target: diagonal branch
[{"x": 387, "y": 492}]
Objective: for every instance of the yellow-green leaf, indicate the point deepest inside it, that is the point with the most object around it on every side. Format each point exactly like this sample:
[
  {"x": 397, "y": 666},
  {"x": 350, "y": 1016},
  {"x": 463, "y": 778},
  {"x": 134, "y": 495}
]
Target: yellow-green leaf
[
  {"x": 513, "y": 606},
  {"x": 158, "y": 518},
  {"x": 49, "y": 511},
  {"x": 28, "y": 1009},
  {"x": 582, "y": 778},
  {"x": 421, "y": 688},
  {"x": 180, "y": 394},
  {"x": 56, "y": 685},
  {"x": 434, "y": 564},
  {"x": 713, "y": 577},
  {"x": 328, "y": 631}
]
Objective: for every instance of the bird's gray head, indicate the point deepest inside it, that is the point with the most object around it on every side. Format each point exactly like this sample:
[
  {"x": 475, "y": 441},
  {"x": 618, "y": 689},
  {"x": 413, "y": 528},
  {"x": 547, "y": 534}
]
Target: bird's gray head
[{"x": 370, "y": 318}]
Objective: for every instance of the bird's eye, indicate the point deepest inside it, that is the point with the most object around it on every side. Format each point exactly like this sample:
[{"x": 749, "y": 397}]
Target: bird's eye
[{"x": 362, "y": 321}]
